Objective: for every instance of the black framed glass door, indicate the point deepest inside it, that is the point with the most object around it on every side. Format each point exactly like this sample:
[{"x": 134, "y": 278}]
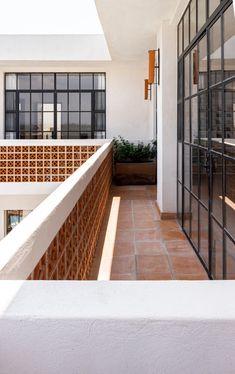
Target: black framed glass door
[{"x": 206, "y": 134}]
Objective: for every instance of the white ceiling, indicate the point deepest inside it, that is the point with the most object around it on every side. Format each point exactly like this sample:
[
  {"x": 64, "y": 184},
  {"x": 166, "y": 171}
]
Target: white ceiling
[{"x": 130, "y": 26}]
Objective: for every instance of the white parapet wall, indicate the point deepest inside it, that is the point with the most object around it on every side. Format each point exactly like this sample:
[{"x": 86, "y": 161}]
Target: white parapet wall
[{"x": 117, "y": 327}]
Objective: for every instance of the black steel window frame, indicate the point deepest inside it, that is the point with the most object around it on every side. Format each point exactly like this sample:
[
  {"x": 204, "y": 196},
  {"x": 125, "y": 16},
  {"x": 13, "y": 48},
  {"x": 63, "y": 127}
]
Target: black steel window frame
[
  {"x": 181, "y": 188},
  {"x": 55, "y": 91}
]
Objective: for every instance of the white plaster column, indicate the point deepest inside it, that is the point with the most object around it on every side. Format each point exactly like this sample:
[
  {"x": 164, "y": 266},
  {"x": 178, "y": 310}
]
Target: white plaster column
[
  {"x": 167, "y": 119},
  {"x": 1, "y": 105}
]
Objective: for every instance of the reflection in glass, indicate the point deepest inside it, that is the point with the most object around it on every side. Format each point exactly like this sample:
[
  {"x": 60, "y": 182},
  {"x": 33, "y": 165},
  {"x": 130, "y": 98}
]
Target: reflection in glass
[
  {"x": 99, "y": 121},
  {"x": 99, "y": 101},
  {"x": 24, "y": 101},
  {"x": 85, "y": 101},
  {"x": 10, "y": 81},
  {"x": 48, "y": 82},
  {"x": 62, "y": 101},
  {"x": 186, "y": 223},
  {"x": 203, "y": 177},
  {"x": 36, "y": 121},
  {"x": 36, "y": 101},
  {"x": 216, "y": 119},
  {"x": 203, "y": 123},
  {"x": 203, "y": 234},
  {"x": 201, "y": 13},
  {"x": 230, "y": 197},
  {"x": 61, "y": 81},
  {"x": 86, "y": 81},
  {"x": 217, "y": 251},
  {"x": 74, "y": 103},
  {"x": 180, "y": 161},
  {"x": 229, "y": 135},
  {"x": 194, "y": 221},
  {"x": 195, "y": 170},
  {"x": 202, "y": 55},
  {"x": 229, "y": 37},
  {"x": 86, "y": 122},
  {"x": 213, "y": 4},
  {"x": 74, "y": 81},
  {"x": 192, "y": 19},
  {"x": 24, "y": 121},
  {"x": 10, "y": 101},
  {"x": 73, "y": 121},
  {"x": 215, "y": 53},
  {"x": 179, "y": 202},
  {"x": 48, "y": 102},
  {"x": 194, "y": 70},
  {"x": 187, "y": 165},
  {"x": 194, "y": 120},
  {"x": 217, "y": 192},
  {"x": 186, "y": 29},
  {"x": 186, "y": 76},
  {"x": 23, "y": 82},
  {"x": 99, "y": 82},
  {"x": 230, "y": 258},
  {"x": 10, "y": 122},
  {"x": 186, "y": 121},
  {"x": 36, "y": 81}
]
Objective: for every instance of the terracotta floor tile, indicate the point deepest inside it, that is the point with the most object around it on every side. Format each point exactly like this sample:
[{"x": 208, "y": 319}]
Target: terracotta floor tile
[
  {"x": 124, "y": 248},
  {"x": 191, "y": 276},
  {"x": 173, "y": 235},
  {"x": 186, "y": 265},
  {"x": 125, "y": 236},
  {"x": 167, "y": 225},
  {"x": 143, "y": 235},
  {"x": 123, "y": 265},
  {"x": 149, "y": 248},
  {"x": 125, "y": 225},
  {"x": 144, "y": 224},
  {"x": 152, "y": 264},
  {"x": 179, "y": 247},
  {"x": 154, "y": 276}
]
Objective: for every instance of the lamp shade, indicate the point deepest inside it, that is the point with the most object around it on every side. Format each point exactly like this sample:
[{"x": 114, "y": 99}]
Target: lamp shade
[
  {"x": 151, "y": 66},
  {"x": 146, "y": 93}
]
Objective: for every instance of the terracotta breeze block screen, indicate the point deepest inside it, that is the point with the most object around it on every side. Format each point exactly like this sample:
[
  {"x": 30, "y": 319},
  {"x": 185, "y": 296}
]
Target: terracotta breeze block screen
[
  {"x": 41, "y": 163},
  {"x": 70, "y": 254}
]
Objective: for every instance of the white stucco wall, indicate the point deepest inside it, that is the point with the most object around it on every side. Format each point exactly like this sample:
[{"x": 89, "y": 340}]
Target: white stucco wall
[
  {"x": 127, "y": 113},
  {"x": 117, "y": 327}
]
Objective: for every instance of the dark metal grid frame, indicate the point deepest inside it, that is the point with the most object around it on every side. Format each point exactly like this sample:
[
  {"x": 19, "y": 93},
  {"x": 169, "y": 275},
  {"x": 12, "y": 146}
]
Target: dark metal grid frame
[
  {"x": 217, "y": 14},
  {"x": 54, "y": 90}
]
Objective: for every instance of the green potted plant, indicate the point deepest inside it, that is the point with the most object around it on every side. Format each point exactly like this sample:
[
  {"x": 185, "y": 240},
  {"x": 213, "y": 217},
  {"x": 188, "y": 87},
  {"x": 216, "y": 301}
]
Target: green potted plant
[{"x": 134, "y": 163}]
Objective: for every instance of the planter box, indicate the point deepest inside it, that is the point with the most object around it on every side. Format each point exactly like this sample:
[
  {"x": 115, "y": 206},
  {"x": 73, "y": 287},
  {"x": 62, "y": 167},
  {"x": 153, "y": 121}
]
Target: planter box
[{"x": 135, "y": 173}]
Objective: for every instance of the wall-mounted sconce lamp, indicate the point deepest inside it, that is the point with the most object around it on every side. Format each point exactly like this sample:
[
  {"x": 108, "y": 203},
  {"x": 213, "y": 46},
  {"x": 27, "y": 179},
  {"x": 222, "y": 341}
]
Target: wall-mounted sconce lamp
[
  {"x": 154, "y": 64},
  {"x": 147, "y": 90}
]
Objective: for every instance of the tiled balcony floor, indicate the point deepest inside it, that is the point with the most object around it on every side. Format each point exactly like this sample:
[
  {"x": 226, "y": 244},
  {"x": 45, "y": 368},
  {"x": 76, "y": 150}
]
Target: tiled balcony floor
[{"x": 147, "y": 248}]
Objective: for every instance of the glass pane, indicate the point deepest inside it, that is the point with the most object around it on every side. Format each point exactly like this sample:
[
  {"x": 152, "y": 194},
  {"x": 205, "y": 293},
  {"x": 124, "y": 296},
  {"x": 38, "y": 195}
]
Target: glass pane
[
  {"x": 48, "y": 102},
  {"x": 47, "y": 135},
  {"x": 48, "y": 121},
  {"x": 74, "y": 101},
  {"x": 201, "y": 13},
  {"x": 10, "y": 81},
  {"x": 61, "y": 82},
  {"x": 202, "y": 47},
  {"x": 10, "y": 122},
  {"x": 24, "y": 135},
  {"x": 23, "y": 81},
  {"x": 24, "y": 101},
  {"x": 99, "y": 81},
  {"x": 194, "y": 120},
  {"x": 186, "y": 121},
  {"x": 24, "y": 121},
  {"x": 10, "y": 135},
  {"x": 230, "y": 119},
  {"x": 203, "y": 234},
  {"x": 213, "y": 4},
  {"x": 203, "y": 177},
  {"x": 179, "y": 202},
  {"x": 194, "y": 70},
  {"x": 217, "y": 251},
  {"x": 230, "y": 197},
  {"x": 48, "y": 82},
  {"x": 187, "y": 213},
  {"x": 180, "y": 38},
  {"x": 180, "y": 161},
  {"x": 10, "y": 101},
  {"x": 192, "y": 19},
  {"x": 36, "y": 101},
  {"x": 229, "y": 36},
  {"x": 62, "y": 101},
  {"x": 63, "y": 121},
  {"x": 216, "y": 119},
  {"x": 85, "y": 101},
  {"x": 74, "y": 135},
  {"x": 36, "y": 121},
  {"x": 187, "y": 165},
  {"x": 217, "y": 179},
  {"x": 99, "y": 121},
  {"x": 230, "y": 258},
  {"x": 86, "y": 81},
  {"x": 74, "y": 81},
  {"x": 194, "y": 221},
  {"x": 99, "y": 101},
  {"x": 186, "y": 76},
  {"x": 36, "y": 81},
  {"x": 203, "y": 123},
  {"x": 73, "y": 121},
  {"x": 85, "y": 121},
  {"x": 99, "y": 135},
  {"x": 195, "y": 170},
  {"x": 215, "y": 53},
  {"x": 186, "y": 29}
]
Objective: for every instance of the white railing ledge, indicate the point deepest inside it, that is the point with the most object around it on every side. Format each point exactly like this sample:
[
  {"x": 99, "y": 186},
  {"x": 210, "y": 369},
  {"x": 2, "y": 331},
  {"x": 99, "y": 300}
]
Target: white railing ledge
[{"x": 117, "y": 327}]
